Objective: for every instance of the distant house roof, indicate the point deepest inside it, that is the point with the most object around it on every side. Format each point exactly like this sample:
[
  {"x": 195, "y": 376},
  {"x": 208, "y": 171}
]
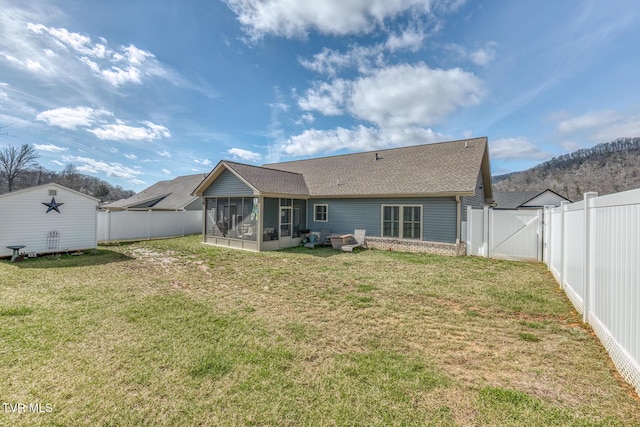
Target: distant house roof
[
  {"x": 440, "y": 169},
  {"x": 174, "y": 194},
  {"x": 527, "y": 199}
]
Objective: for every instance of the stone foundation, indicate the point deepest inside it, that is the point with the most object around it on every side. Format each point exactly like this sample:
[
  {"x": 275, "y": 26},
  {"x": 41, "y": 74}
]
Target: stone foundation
[{"x": 439, "y": 248}]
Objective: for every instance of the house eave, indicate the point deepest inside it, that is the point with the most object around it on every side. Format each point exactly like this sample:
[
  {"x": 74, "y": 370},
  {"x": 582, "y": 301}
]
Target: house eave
[{"x": 391, "y": 196}]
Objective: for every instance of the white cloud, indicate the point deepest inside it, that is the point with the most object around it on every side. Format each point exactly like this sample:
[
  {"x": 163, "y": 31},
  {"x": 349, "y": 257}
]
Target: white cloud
[
  {"x": 411, "y": 39},
  {"x": 590, "y": 120},
  {"x": 629, "y": 127},
  {"x": 205, "y": 162},
  {"x": 49, "y": 147},
  {"x": 164, "y": 153},
  {"x": 245, "y": 155},
  {"x": 327, "y": 98},
  {"x": 413, "y": 95},
  {"x": 117, "y": 76},
  {"x": 166, "y": 171},
  {"x": 570, "y": 145},
  {"x": 413, "y": 136},
  {"x": 313, "y": 141},
  {"x": 119, "y": 66},
  {"x": 397, "y": 96},
  {"x": 122, "y": 132},
  {"x": 27, "y": 64},
  {"x": 481, "y": 56},
  {"x": 516, "y": 148},
  {"x": 361, "y": 138},
  {"x": 328, "y": 61},
  {"x": 137, "y": 181},
  {"x": 484, "y": 55},
  {"x": 88, "y": 165},
  {"x": 131, "y": 156},
  {"x": 290, "y": 18},
  {"x": 72, "y": 118},
  {"x": 305, "y": 119},
  {"x": 76, "y": 41},
  {"x": 361, "y": 58}
]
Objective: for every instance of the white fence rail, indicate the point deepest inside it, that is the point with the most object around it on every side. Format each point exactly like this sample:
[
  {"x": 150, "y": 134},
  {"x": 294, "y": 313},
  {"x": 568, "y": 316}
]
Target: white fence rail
[
  {"x": 592, "y": 248},
  {"x": 505, "y": 234},
  {"x": 133, "y": 225}
]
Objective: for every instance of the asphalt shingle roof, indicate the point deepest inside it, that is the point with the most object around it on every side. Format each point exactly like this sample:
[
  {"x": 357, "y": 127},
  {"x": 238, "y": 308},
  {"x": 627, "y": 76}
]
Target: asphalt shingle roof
[
  {"x": 513, "y": 199},
  {"x": 268, "y": 180},
  {"x": 163, "y": 195},
  {"x": 440, "y": 168}
]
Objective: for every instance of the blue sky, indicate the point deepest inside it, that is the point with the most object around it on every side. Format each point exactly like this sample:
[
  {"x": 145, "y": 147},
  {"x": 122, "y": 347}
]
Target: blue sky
[{"x": 137, "y": 91}]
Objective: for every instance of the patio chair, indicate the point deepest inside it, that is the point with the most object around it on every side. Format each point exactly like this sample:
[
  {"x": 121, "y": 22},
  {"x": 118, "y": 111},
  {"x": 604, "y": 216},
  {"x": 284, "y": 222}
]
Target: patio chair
[
  {"x": 322, "y": 239},
  {"x": 358, "y": 236}
]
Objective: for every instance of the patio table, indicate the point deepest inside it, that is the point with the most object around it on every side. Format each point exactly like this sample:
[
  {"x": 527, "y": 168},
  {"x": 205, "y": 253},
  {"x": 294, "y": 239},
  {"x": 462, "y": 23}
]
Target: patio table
[{"x": 337, "y": 240}]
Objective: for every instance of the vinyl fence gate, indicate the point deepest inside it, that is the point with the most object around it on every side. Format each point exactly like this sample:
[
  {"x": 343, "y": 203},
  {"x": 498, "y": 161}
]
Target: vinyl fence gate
[{"x": 505, "y": 234}]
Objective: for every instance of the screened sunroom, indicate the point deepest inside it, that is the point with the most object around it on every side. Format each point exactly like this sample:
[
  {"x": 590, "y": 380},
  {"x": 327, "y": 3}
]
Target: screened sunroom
[
  {"x": 255, "y": 223},
  {"x": 252, "y": 208}
]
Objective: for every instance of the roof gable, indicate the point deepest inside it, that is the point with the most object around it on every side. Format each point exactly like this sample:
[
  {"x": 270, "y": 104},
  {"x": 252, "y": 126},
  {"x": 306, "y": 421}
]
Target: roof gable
[
  {"x": 545, "y": 198},
  {"x": 174, "y": 194},
  {"x": 261, "y": 180},
  {"x": 527, "y": 199},
  {"x": 50, "y": 185}
]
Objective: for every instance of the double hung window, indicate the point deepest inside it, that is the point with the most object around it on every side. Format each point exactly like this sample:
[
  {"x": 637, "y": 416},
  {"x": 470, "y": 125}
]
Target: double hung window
[
  {"x": 321, "y": 213},
  {"x": 402, "y": 221}
]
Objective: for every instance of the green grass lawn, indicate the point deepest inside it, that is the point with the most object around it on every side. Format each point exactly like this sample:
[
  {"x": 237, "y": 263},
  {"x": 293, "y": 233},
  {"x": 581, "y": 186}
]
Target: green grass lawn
[{"x": 173, "y": 332}]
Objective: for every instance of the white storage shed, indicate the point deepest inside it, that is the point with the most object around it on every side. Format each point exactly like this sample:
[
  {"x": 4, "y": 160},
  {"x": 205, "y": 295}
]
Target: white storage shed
[{"x": 47, "y": 219}]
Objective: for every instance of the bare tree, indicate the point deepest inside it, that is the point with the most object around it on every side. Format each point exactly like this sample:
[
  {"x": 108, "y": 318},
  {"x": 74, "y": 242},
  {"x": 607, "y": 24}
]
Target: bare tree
[{"x": 14, "y": 160}]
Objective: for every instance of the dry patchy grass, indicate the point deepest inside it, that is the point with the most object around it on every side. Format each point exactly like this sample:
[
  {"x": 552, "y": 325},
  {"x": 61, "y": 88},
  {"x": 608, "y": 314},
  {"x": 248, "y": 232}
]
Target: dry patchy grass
[{"x": 172, "y": 332}]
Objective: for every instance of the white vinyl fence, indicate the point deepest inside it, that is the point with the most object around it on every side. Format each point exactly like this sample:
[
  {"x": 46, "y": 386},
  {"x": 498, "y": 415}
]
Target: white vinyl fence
[
  {"x": 505, "y": 234},
  {"x": 134, "y": 225},
  {"x": 592, "y": 248}
]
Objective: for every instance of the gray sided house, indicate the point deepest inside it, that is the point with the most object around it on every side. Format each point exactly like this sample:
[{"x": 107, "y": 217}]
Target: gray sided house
[
  {"x": 411, "y": 198},
  {"x": 171, "y": 195}
]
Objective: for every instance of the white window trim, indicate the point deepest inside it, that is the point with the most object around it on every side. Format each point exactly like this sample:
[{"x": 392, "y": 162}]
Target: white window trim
[
  {"x": 315, "y": 218},
  {"x": 401, "y": 220}
]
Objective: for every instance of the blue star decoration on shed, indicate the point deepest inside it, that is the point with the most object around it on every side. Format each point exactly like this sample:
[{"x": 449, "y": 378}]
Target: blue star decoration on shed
[{"x": 53, "y": 206}]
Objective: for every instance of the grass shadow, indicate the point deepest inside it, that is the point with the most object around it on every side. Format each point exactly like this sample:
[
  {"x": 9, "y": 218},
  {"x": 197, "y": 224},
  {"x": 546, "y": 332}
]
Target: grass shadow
[
  {"x": 84, "y": 259},
  {"x": 321, "y": 252}
]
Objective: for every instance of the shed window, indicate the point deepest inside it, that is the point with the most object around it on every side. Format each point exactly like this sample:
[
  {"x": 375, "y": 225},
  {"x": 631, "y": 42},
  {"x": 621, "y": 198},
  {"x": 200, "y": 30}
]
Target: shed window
[
  {"x": 321, "y": 213},
  {"x": 402, "y": 221}
]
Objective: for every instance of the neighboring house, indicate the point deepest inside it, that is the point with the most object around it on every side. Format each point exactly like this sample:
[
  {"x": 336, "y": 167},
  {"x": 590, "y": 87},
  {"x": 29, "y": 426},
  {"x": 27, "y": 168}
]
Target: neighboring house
[
  {"x": 48, "y": 218},
  {"x": 413, "y": 197},
  {"x": 527, "y": 199},
  {"x": 173, "y": 195}
]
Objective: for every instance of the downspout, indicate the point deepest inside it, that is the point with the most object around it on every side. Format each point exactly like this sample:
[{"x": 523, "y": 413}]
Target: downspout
[{"x": 458, "y": 221}]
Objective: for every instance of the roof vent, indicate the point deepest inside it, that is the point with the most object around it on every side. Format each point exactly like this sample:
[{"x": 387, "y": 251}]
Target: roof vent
[
  {"x": 466, "y": 144},
  {"x": 377, "y": 157}
]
